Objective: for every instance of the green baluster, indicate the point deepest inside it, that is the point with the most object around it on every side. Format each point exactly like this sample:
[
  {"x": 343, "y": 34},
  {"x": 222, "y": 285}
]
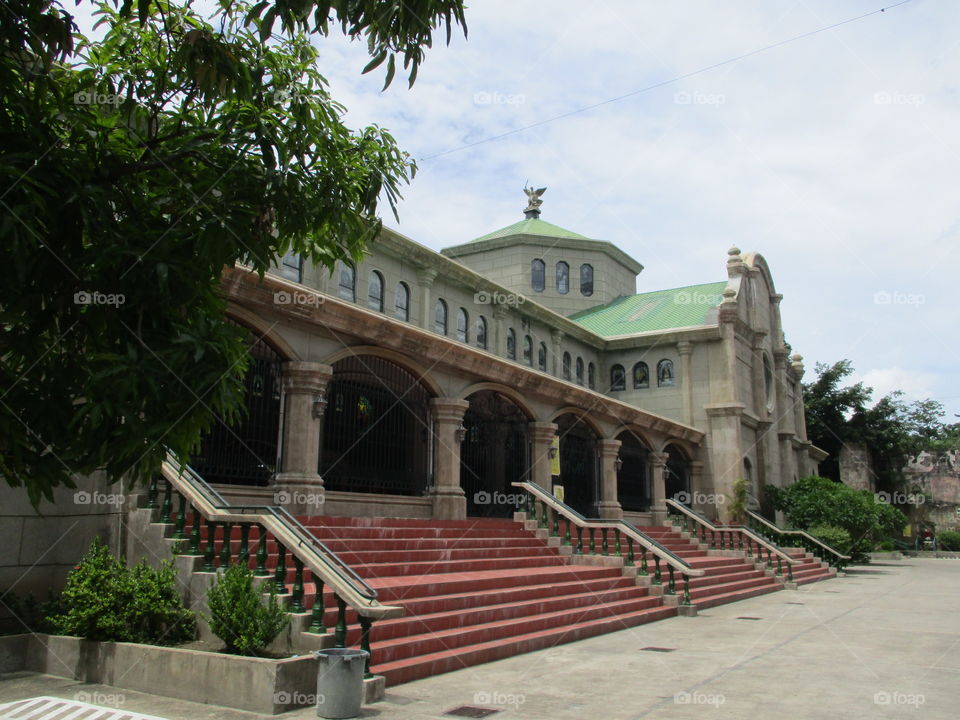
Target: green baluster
[
  {"x": 671, "y": 585},
  {"x": 617, "y": 548},
  {"x": 603, "y": 547},
  {"x": 556, "y": 522},
  {"x": 713, "y": 539},
  {"x": 566, "y": 536},
  {"x": 365, "y": 623},
  {"x": 208, "y": 548},
  {"x": 243, "y": 556},
  {"x": 593, "y": 547},
  {"x": 703, "y": 534},
  {"x": 152, "y": 492},
  {"x": 686, "y": 523},
  {"x": 340, "y": 632},
  {"x": 261, "y": 570},
  {"x": 579, "y": 548},
  {"x": 280, "y": 575},
  {"x": 194, "y": 548},
  {"x": 316, "y": 619},
  {"x": 749, "y": 547},
  {"x": 779, "y": 566},
  {"x": 789, "y": 572},
  {"x": 740, "y": 541},
  {"x": 167, "y": 502},
  {"x": 225, "y": 545},
  {"x": 296, "y": 598},
  {"x": 769, "y": 559},
  {"x": 686, "y": 589},
  {"x": 630, "y": 558},
  {"x": 643, "y": 560},
  {"x": 178, "y": 533},
  {"x": 543, "y": 515},
  {"x": 657, "y": 580}
]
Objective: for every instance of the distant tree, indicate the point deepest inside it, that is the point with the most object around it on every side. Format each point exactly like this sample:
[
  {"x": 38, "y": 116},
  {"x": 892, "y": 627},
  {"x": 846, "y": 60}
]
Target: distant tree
[{"x": 138, "y": 165}]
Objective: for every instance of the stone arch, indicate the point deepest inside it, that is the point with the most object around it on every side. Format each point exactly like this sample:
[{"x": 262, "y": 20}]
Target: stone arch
[
  {"x": 584, "y": 417},
  {"x": 634, "y": 488},
  {"x": 756, "y": 261},
  {"x": 393, "y": 356},
  {"x": 263, "y": 329},
  {"x": 514, "y": 396}
]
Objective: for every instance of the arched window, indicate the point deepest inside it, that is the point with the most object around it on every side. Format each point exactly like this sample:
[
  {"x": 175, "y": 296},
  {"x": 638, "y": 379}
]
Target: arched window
[
  {"x": 528, "y": 350},
  {"x": 402, "y": 303},
  {"x": 481, "y": 332},
  {"x": 348, "y": 281},
  {"x": 291, "y": 266},
  {"x": 542, "y": 357},
  {"x": 538, "y": 275},
  {"x": 463, "y": 325},
  {"x": 768, "y": 381},
  {"x": 566, "y": 366},
  {"x": 586, "y": 279},
  {"x": 440, "y": 317},
  {"x": 641, "y": 376},
  {"x": 591, "y": 376},
  {"x": 665, "y": 376},
  {"x": 375, "y": 291},
  {"x": 579, "y": 371},
  {"x": 618, "y": 378},
  {"x": 563, "y": 278},
  {"x": 511, "y": 344}
]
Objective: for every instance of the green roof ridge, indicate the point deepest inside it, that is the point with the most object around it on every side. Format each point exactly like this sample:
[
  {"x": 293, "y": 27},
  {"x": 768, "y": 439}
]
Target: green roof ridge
[{"x": 533, "y": 226}]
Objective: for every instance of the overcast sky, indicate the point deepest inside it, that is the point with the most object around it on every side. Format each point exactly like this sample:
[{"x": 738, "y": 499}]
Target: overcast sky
[{"x": 834, "y": 156}]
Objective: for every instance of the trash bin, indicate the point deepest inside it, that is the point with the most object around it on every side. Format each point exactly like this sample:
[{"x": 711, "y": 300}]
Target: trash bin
[{"x": 340, "y": 682}]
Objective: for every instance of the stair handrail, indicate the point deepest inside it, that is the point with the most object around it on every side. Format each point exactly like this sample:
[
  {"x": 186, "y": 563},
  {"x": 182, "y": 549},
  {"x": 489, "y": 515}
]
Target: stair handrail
[
  {"x": 841, "y": 559},
  {"x": 288, "y": 531},
  {"x": 624, "y": 526},
  {"x": 710, "y": 525}
]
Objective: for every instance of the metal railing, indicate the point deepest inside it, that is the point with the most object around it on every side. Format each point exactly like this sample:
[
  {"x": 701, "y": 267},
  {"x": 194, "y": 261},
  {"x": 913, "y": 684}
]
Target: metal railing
[
  {"x": 733, "y": 537},
  {"x": 808, "y": 542},
  {"x": 561, "y": 520},
  {"x": 307, "y": 552}
]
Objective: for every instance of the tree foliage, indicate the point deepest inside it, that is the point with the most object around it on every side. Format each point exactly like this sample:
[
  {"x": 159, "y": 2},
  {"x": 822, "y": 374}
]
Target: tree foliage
[{"x": 135, "y": 167}]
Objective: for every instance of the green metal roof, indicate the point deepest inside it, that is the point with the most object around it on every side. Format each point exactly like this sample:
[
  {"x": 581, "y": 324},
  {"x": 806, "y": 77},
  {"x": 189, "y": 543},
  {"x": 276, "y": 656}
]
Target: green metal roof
[
  {"x": 533, "y": 226},
  {"x": 661, "y": 310}
]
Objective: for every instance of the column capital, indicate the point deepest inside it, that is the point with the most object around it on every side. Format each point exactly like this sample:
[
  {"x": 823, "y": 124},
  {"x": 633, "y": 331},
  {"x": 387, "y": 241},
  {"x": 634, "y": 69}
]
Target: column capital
[
  {"x": 609, "y": 447},
  {"x": 305, "y": 377},
  {"x": 659, "y": 459},
  {"x": 542, "y": 431},
  {"x": 556, "y": 336},
  {"x": 448, "y": 409},
  {"x": 426, "y": 276},
  {"x": 685, "y": 347}
]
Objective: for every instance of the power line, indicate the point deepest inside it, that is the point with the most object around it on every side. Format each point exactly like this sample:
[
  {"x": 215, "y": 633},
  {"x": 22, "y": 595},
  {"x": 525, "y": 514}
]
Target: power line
[{"x": 660, "y": 84}]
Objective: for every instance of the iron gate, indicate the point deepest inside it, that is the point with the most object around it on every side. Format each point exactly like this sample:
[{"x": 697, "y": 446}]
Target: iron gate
[
  {"x": 578, "y": 464},
  {"x": 633, "y": 485}
]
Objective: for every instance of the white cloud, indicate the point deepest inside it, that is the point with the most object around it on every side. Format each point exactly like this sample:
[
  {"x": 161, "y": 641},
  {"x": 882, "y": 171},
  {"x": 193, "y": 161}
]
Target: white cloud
[{"x": 915, "y": 385}]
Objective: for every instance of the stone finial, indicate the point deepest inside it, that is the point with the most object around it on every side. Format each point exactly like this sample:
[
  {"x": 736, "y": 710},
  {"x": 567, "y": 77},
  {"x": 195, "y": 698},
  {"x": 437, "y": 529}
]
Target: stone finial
[{"x": 735, "y": 262}]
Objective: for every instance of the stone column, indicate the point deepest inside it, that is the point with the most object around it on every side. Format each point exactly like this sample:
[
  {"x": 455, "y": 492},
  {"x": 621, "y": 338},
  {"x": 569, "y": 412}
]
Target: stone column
[
  {"x": 696, "y": 482},
  {"x": 609, "y": 505},
  {"x": 541, "y": 435},
  {"x": 449, "y": 501},
  {"x": 299, "y": 486},
  {"x": 685, "y": 349},
  {"x": 500, "y": 330},
  {"x": 725, "y": 440},
  {"x": 425, "y": 277},
  {"x": 658, "y": 464},
  {"x": 557, "y": 337}
]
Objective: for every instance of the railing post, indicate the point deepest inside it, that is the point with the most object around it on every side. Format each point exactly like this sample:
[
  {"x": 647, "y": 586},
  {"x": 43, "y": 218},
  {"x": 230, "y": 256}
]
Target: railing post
[
  {"x": 703, "y": 534},
  {"x": 749, "y": 547},
  {"x": 280, "y": 575},
  {"x": 604, "y": 548},
  {"x": 167, "y": 502},
  {"x": 579, "y": 549},
  {"x": 296, "y": 598},
  {"x": 769, "y": 559},
  {"x": 686, "y": 589},
  {"x": 740, "y": 540},
  {"x": 542, "y": 514},
  {"x": 225, "y": 545},
  {"x": 340, "y": 632},
  {"x": 208, "y": 548},
  {"x": 261, "y": 570},
  {"x": 316, "y": 619},
  {"x": 181, "y": 517},
  {"x": 194, "y": 548},
  {"x": 556, "y": 522},
  {"x": 713, "y": 539},
  {"x": 566, "y": 536},
  {"x": 152, "y": 492},
  {"x": 671, "y": 585},
  {"x": 657, "y": 580},
  {"x": 643, "y": 560},
  {"x": 779, "y": 566},
  {"x": 593, "y": 547},
  {"x": 630, "y": 558},
  {"x": 243, "y": 556},
  {"x": 617, "y": 548},
  {"x": 789, "y": 572},
  {"x": 365, "y": 623}
]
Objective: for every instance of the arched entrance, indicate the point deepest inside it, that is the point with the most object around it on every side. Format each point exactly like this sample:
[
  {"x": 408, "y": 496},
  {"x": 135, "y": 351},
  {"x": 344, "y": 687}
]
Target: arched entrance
[
  {"x": 245, "y": 453},
  {"x": 677, "y": 476},
  {"x": 494, "y": 454},
  {"x": 376, "y": 429},
  {"x": 578, "y": 464},
  {"x": 633, "y": 477}
]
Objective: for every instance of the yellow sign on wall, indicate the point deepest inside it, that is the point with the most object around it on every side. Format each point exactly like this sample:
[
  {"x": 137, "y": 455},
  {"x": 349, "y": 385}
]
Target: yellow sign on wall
[
  {"x": 558, "y": 492},
  {"x": 555, "y": 456}
]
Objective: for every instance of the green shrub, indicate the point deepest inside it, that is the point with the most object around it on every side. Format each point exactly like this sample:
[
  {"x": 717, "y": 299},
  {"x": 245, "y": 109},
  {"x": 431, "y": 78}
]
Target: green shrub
[
  {"x": 886, "y": 546},
  {"x": 739, "y": 500},
  {"x": 105, "y": 600},
  {"x": 238, "y": 615},
  {"x": 948, "y": 540},
  {"x": 835, "y": 537}
]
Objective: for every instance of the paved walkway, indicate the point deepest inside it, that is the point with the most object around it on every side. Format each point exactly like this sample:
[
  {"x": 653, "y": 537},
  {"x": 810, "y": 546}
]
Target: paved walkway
[{"x": 883, "y": 642}]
